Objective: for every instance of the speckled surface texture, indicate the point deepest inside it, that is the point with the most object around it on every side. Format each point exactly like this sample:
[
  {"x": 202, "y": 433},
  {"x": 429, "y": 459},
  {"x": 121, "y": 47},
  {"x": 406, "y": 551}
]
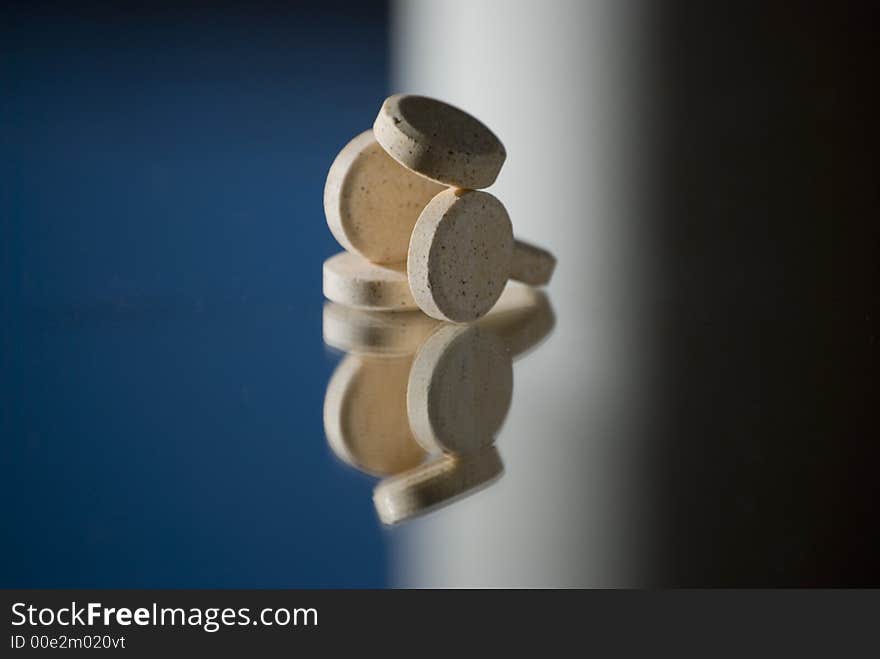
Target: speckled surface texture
[
  {"x": 435, "y": 484},
  {"x": 455, "y": 245},
  {"x": 371, "y": 202},
  {"x": 459, "y": 255},
  {"x": 439, "y": 141},
  {"x": 365, "y": 417},
  {"x": 353, "y": 281},
  {"x": 460, "y": 388}
]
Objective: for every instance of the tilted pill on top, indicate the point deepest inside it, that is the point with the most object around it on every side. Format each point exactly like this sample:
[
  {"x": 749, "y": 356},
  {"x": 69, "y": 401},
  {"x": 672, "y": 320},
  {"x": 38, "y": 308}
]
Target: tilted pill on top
[{"x": 439, "y": 141}]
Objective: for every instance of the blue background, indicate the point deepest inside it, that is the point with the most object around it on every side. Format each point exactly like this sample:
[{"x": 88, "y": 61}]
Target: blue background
[{"x": 162, "y": 237}]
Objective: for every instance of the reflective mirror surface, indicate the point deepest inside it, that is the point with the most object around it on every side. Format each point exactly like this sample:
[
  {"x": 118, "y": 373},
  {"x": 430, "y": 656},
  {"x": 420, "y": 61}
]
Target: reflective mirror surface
[{"x": 420, "y": 402}]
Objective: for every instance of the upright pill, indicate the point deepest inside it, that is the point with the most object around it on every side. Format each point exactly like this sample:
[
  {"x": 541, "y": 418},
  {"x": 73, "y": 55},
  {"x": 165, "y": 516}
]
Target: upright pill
[
  {"x": 371, "y": 202},
  {"x": 462, "y": 252}
]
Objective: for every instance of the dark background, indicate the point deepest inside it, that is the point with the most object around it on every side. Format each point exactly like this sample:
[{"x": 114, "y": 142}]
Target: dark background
[
  {"x": 162, "y": 235},
  {"x": 768, "y": 244}
]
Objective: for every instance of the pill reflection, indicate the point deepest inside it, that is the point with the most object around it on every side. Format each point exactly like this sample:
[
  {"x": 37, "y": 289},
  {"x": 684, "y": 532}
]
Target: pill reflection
[{"x": 419, "y": 403}]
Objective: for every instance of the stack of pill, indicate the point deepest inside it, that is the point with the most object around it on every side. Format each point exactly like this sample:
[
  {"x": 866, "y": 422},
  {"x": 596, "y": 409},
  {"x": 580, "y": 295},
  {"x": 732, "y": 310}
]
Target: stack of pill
[{"x": 404, "y": 200}]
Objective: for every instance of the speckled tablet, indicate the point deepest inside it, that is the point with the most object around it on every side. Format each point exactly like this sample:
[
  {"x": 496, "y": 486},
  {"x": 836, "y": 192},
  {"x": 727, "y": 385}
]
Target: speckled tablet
[
  {"x": 459, "y": 255},
  {"x": 372, "y": 202},
  {"x": 462, "y": 252},
  {"x": 439, "y": 141},
  {"x": 351, "y": 280}
]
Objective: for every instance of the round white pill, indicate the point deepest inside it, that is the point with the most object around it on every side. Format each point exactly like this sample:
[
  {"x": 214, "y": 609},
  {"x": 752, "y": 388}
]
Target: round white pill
[
  {"x": 459, "y": 255},
  {"x": 462, "y": 252}
]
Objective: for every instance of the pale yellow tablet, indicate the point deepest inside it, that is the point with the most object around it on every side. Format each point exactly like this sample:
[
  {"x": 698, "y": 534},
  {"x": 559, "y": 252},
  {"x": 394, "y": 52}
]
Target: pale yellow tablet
[
  {"x": 372, "y": 202},
  {"x": 351, "y": 280}
]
